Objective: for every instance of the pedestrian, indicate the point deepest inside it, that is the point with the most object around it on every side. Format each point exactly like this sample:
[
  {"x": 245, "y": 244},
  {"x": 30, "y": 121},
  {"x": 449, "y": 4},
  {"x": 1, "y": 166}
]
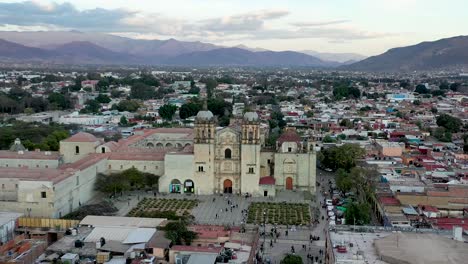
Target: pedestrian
[
  {"x": 286, "y": 232},
  {"x": 216, "y": 216}
]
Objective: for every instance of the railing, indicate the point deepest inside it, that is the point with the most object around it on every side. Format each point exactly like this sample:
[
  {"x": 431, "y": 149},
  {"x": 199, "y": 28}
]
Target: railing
[{"x": 374, "y": 229}]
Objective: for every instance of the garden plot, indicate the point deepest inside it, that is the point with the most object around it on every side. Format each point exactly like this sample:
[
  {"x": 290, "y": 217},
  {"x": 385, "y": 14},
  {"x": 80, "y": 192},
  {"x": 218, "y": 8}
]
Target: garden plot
[
  {"x": 163, "y": 208},
  {"x": 279, "y": 213}
]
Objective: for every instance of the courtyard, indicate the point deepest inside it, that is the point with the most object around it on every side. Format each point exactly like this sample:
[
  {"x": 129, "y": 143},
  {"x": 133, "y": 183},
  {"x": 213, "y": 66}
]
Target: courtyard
[
  {"x": 163, "y": 208},
  {"x": 279, "y": 213}
]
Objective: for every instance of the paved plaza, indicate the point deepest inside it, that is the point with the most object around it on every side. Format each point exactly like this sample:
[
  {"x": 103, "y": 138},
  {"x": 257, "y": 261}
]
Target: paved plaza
[{"x": 231, "y": 209}]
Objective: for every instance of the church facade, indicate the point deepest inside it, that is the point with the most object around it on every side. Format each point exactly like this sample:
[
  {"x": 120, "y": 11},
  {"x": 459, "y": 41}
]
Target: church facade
[{"x": 234, "y": 159}]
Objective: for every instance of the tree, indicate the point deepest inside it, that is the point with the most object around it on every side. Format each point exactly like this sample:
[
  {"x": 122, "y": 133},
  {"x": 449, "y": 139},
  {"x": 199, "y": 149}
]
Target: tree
[
  {"x": 92, "y": 106},
  {"x": 454, "y": 86},
  {"x": 328, "y": 139},
  {"x": 189, "y": 109},
  {"x": 434, "y": 110},
  {"x": 167, "y": 111},
  {"x": 103, "y": 99},
  {"x": 421, "y": 89},
  {"x": 211, "y": 84},
  {"x": 111, "y": 183},
  {"x": 358, "y": 213},
  {"x": 292, "y": 259},
  {"x": 449, "y": 122},
  {"x": 438, "y": 93},
  {"x": 178, "y": 233},
  {"x": 346, "y": 123},
  {"x": 142, "y": 91},
  {"x": 343, "y": 157},
  {"x": 123, "y": 121},
  {"x": 344, "y": 182},
  {"x": 442, "y": 134},
  {"x": 309, "y": 113},
  {"x": 135, "y": 177},
  {"x": 417, "y": 102},
  {"x": 194, "y": 90},
  {"x": 444, "y": 86},
  {"x": 126, "y": 105},
  {"x": 59, "y": 101}
]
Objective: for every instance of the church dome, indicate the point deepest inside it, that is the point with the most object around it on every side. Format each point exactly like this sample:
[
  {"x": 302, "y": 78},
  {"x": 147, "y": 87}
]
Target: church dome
[
  {"x": 205, "y": 115},
  {"x": 251, "y": 116}
]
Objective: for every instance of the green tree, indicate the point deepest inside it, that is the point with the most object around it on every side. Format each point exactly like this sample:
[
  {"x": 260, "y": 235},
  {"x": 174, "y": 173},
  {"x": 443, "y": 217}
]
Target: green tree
[
  {"x": 358, "y": 214},
  {"x": 417, "y": 102},
  {"x": 178, "y": 233},
  {"x": 343, "y": 157},
  {"x": 454, "y": 86},
  {"x": 194, "y": 90},
  {"x": 449, "y": 122},
  {"x": 123, "y": 121},
  {"x": 103, "y": 99},
  {"x": 328, "y": 139},
  {"x": 135, "y": 177},
  {"x": 92, "y": 106},
  {"x": 292, "y": 259},
  {"x": 111, "y": 183},
  {"x": 436, "y": 93},
  {"x": 189, "y": 109},
  {"x": 434, "y": 110},
  {"x": 421, "y": 89},
  {"x": 346, "y": 123},
  {"x": 167, "y": 111},
  {"x": 211, "y": 84},
  {"x": 309, "y": 113},
  {"x": 142, "y": 91},
  {"x": 126, "y": 105}
]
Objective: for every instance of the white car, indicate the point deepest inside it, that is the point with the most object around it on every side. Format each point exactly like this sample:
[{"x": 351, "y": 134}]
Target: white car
[{"x": 328, "y": 202}]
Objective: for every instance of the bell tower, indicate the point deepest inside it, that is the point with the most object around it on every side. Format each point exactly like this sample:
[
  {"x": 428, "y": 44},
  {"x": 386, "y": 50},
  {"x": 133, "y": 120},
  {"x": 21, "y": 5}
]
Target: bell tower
[
  {"x": 250, "y": 153},
  {"x": 204, "y": 151}
]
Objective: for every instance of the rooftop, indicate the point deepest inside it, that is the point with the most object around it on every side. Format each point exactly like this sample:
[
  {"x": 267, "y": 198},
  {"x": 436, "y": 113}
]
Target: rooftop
[{"x": 82, "y": 137}]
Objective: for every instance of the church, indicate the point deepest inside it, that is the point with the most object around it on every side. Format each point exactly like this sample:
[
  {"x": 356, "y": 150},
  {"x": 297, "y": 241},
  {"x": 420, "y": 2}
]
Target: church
[
  {"x": 202, "y": 160},
  {"x": 234, "y": 159}
]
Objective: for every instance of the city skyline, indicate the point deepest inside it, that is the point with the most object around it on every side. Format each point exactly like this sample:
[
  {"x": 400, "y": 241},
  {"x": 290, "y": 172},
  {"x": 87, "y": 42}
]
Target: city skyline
[{"x": 360, "y": 26}]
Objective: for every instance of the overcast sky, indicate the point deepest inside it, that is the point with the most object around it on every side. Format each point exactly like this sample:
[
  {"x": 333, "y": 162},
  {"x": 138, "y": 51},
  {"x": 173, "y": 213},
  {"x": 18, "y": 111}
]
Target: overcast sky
[{"x": 367, "y": 27}]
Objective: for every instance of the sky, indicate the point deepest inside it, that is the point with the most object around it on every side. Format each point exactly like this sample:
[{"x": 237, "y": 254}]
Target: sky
[{"x": 367, "y": 27}]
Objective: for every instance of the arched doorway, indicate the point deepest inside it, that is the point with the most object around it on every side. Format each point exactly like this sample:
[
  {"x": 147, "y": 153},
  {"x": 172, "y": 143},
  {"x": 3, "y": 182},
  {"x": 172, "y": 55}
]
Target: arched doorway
[
  {"x": 175, "y": 186},
  {"x": 189, "y": 186},
  {"x": 227, "y": 153},
  {"x": 227, "y": 185},
  {"x": 289, "y": 183}
]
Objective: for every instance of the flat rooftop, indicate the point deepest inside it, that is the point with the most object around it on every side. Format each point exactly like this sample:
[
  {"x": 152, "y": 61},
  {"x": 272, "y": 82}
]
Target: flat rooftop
[
  {"x": 396, "y": 248},
  {"x": 420, "y": 248}
]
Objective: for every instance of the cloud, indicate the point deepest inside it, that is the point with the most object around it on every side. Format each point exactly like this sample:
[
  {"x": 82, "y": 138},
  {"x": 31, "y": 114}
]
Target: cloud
[
  {"x": 241, "y": 22},
  {"x": 318, "y": 24},
  {"x": 257, "y": 25}
]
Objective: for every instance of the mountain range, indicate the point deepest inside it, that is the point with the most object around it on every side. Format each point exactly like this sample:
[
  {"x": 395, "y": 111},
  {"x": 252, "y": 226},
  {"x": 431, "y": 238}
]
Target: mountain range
[
  {"x": 74, "y": 47},
  {"x": 449, "y": 53}
]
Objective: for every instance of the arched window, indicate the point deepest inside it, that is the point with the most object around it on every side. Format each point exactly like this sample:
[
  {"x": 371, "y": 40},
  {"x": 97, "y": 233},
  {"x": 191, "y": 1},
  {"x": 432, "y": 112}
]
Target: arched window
[
  {"x": 77, "y": 150},
  {"x": 103, "y": 150},
  {"x": 227, "y": 153}
]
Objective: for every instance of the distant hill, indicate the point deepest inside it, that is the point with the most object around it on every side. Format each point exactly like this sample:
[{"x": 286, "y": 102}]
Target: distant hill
[
  {"x": 242, "y": 57},
  {"x": 74, "y": 47},
  {"x": 449, "y": 53},
  {"x": 345, "y": 58},
  {"x": 14, "y": 51}
]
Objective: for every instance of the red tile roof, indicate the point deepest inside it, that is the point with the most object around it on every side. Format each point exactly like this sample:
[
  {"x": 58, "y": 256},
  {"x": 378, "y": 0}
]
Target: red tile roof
[
  {"x": 44, "y": 155},
  {"x": 289, "y": 136},
  {"x": 389, "y": 201},
  {"x": 268, "y": 180}
]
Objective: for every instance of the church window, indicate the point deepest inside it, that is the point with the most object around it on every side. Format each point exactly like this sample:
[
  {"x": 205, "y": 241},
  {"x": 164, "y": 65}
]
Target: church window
[
  {"x": 227, "y": 153},
  {"x": 43, "y": 194},
  {"x": 251, "y": 170},
  {"x": 200, "y": 168},
  {"x": 209, "y": 133},
  {"x": 268, "y": 161},
  {"x": 103, "y": 150},
  {"x": 77, "y": 150},
  {"x": 250, "y": 135}
]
